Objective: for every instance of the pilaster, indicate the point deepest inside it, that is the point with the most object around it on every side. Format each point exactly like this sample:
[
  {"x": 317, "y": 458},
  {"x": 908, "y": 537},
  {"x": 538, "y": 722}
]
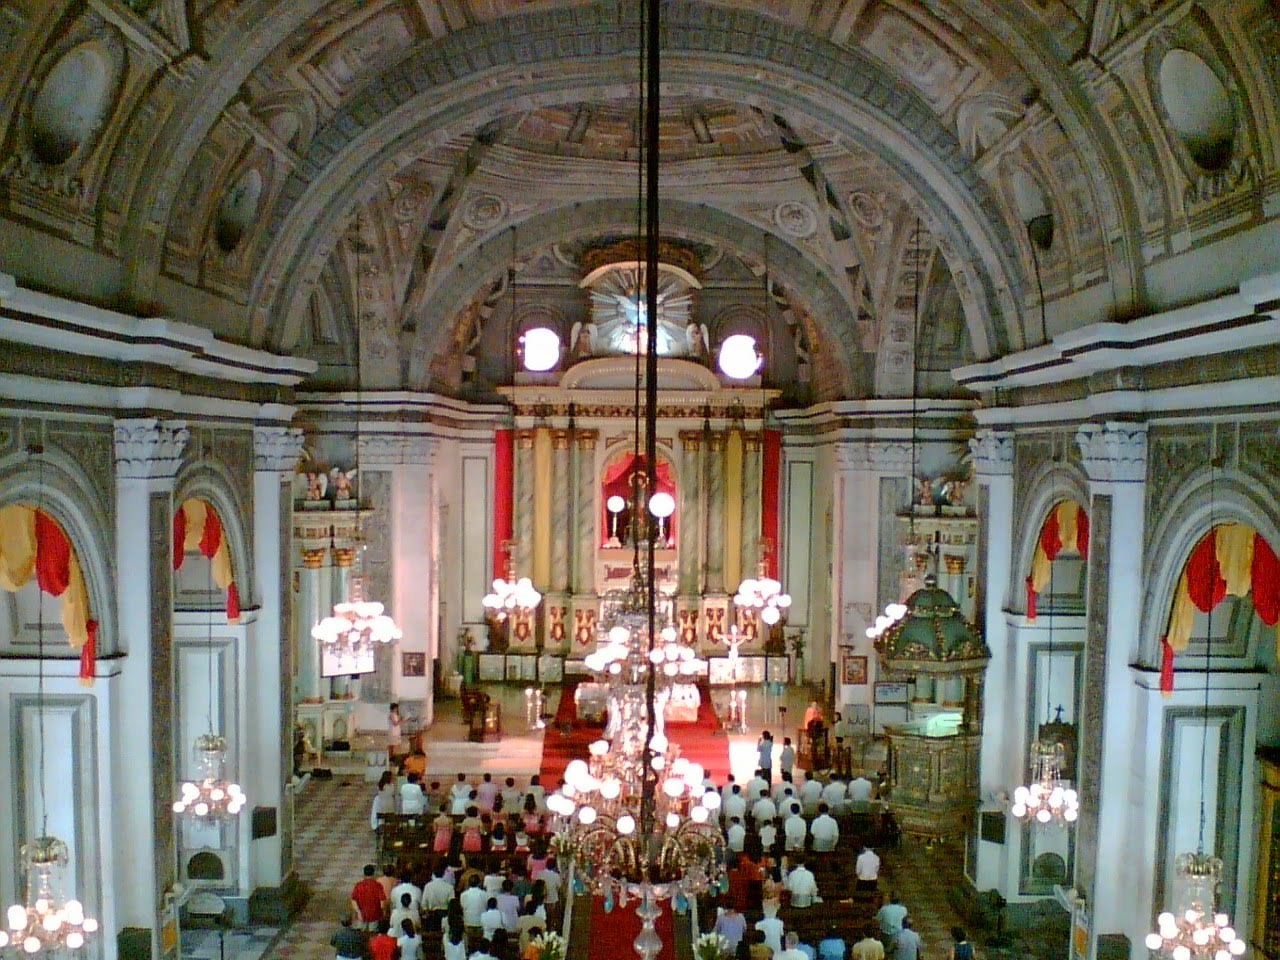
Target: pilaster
[
  {"x": 586, "y": 511},
  {"x": 716, "y": 444}
]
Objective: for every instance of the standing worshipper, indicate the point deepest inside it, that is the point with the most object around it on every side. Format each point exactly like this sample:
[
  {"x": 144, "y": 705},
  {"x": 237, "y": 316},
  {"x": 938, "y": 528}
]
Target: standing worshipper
[
  {"x": 963, "y": 949},
  {"x": 349, "y": 943},
  {"x": 831, "y": 947},
  {"x": 867, "y": 868},
  {"x": 393, "y": 730},
  {"x": 869, "y": 947},
  {"x": 907, "y": 944},
  {"x": 764, "y": 748},
  {"x": 382, "y": 946},
  {"x": 786, "y": 759},
  {"x": 368, "y": 898},
  {"x": 890, "y": 917},
  {"x": 731, "y": 925}
]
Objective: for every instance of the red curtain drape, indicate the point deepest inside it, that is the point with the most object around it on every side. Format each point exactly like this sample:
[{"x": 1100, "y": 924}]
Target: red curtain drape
[
  {"x": 210, "y": 545},
  {"x": 211, "y": 538},
  {"x": 1205, "y": 584},
  {"x": 89, "y": 654},
  {"x": 771, "y": 473},
  {"x": 1266, "y": 581},
  {"x": 53, "y": 556},
  {"x": 503, "y": 458},
  {"x": 179, "y": 536}
]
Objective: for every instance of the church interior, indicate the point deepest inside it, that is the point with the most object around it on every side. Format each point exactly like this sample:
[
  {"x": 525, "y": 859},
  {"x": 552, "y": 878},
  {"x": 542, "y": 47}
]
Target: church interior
[{"x": 525, "y": 387}]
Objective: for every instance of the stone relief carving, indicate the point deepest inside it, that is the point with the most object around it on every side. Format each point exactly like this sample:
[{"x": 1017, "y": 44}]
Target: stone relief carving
[
  {"x": 795, "y": 219},
  {"x": 1114, "y": 451},
  {"x": 484, "y": 212},
  {"x": 276, "y": 449},
  {"x": 149, "y": 448},
  {"x": 992, "y": 453}
]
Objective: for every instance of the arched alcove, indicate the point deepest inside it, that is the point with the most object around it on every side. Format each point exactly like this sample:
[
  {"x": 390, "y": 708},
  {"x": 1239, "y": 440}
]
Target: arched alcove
[
  {"x": 71, "y": 103},
  {"x": 1199, "y": 108}
]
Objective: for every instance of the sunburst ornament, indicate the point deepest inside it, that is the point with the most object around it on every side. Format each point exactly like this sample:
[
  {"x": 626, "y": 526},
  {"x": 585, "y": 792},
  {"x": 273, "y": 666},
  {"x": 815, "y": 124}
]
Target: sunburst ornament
[{"x": 619, "y": 312}]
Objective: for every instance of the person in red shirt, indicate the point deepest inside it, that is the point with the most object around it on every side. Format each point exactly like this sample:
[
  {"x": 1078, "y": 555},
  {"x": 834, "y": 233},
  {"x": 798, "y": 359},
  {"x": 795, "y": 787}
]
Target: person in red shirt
[
  {"x": 382, "y": 946},
  {"x": 368, "y": 899}
]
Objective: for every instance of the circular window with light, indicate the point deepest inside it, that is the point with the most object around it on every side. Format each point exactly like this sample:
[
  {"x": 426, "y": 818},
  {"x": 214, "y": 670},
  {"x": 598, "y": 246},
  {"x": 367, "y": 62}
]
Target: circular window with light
[
  {"x": 739, "y": 359},
  {"x": 541, "y": 349}
]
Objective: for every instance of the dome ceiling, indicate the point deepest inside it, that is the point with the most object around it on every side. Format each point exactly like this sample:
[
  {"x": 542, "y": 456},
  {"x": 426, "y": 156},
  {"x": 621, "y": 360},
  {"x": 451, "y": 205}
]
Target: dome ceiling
[{"x": 274, "y": 167}]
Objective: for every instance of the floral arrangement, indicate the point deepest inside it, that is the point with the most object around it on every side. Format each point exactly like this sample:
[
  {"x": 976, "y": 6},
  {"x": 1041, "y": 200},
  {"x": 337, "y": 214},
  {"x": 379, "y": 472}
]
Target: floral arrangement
[
  {"x": 548, "y": 946},
  {"x": 711, "y": 946}
]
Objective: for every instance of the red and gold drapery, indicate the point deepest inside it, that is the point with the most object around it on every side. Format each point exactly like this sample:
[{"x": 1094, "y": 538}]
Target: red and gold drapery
[
  {"x": 1065, "y": 528},
  {"x": 32, "y": 544},
  {"x": 196, "y": 526},
  {"x": 1231, "y": 559}
]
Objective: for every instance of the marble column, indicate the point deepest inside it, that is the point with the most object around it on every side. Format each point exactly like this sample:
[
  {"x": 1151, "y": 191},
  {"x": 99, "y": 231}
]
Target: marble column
[
  {"x": 148, "y": 453},
  {"x": 268, "y": 751},
  {"x": 714, "y": 462},
  {"x": 310, "y": 612},
  {"x": 522, "y": 527},
  {"x": 749, "y": 565},
  {"x": 690, "y": 520},
  {"x": 1119, "y": 888},
  {"x": 586, "y": 505},
  {"x": 560, "y": 509},
  {"x": 344, "y": 559}
]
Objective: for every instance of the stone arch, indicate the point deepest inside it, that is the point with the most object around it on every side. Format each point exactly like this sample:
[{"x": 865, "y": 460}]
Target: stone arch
[
  {"x": 432, "y": 96},
  {"x": 1191, "y": 512},
  {"x": 65, "y": 496},
  {"x": 212, "y": 482},
  {"x": 679, "y": 219},
  {"x": 1052, "y": 483}
]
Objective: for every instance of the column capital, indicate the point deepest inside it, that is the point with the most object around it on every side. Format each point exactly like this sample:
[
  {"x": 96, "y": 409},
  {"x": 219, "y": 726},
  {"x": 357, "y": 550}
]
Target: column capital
[
  {"x": 148, "y": 448},
  {"x": 276, "y": 449},
  {"x": 586, "y": 439},
  {"x": 560, "y": 439},
  {"x": 524, "y": 439},
  {"x": 717, "y": 442},
  {"x": 992, "y": 452},
  {"x": 392, "y": 450},
  {"x": 1114, "y": 452},
  {"x": 691, "y": 440},
  {"x": 874, "y": 456}
]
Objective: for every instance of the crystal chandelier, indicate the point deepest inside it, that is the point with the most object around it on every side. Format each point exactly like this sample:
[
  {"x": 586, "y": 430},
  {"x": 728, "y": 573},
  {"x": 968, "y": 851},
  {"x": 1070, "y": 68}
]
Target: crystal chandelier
[
  {"x": 1049, "y": 797},
  {"x": 209, "y": 797},
  {"x": 355, "y": 628},
  {"x": 47, "y": 922},
  {"x": 765, "y": 596},
  {"x": 511, "y": 596},
  {"x": 1197, "y": 933}
]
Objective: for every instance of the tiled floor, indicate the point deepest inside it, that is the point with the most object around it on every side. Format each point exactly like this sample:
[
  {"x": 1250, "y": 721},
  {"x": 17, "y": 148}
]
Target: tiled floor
[{"x": 333, "y": 840}]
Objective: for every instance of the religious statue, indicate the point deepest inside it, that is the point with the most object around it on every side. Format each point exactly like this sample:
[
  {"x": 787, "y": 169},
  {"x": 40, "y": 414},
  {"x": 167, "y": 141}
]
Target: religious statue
[
  {"x": 582, "y": 340},
  {"x": 925, "y": 487},
  {"x": 699, "y": 339},
  {"x": 317, "y": 486},
  {"x": 954, "y": 491},
  {"x": 340, "y": 482}
]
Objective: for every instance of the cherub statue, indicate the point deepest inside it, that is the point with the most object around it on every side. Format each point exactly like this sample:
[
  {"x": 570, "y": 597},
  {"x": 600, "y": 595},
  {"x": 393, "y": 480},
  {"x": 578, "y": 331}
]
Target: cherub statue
[
  {"x": 582, "y": 340},
  {"x": 954, "y": 490},
  {"x": 925, "y": 487},
  {"x": 341, "y": 483},
  {"x": 317, "y": 485}
]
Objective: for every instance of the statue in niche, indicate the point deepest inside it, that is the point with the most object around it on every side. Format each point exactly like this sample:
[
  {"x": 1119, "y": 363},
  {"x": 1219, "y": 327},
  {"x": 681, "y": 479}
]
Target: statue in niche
[
  {"x": 582, "y": 340},
  {"x": 699, "y": 340},
  {"x": 317, "y": 486},
  {"x": 340, "y": 483},
  {"x": 924, "y": 487}
]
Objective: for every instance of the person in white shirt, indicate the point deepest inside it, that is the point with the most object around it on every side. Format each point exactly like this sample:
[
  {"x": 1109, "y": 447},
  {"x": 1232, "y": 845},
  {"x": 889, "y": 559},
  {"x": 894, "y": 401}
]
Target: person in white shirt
[
  {"x": 455, "y": 947},
  {"x": 486, "y": 793},
  {"x": 763, "y": 809},
  {"x": 459, "y": 796},
  {"x": 538, "y": 792},
  {"x": 768, "y": 832},
  {"x": 438, "y": 891},
  {"x": 736, "y": 835},
  {"x": 803, "y": 886},
  {"x": 867, "y": 869},
  {"x": 833, "y": 795},
  {"x": 771, "y": 927},
  {"x": 412, "y": 800},
  {"x": 757, "y": 787},
  {"x": 491, "y": 919},
  {"x": 794, "y": 829},
  {"x": 483, "y": 952},
  {"x": 551, "y": 878},
  {"x": 810, "y": 794},
  {"x": 734, "y": 805},
  {"x": 860, "y": 790},
  {"x": 792, "y": 951},
  {"x": 404, "y": 908},
  {"x": 511, "y": 797},
  {"x": 473, "y": 901},
  {"x": 787, "y": 758},
  {"x": 409, "y": 941},
  {"x": 825, "y": 830},
  {"x": 781, "y": 790},
  {"x": 399, "y": 890}
]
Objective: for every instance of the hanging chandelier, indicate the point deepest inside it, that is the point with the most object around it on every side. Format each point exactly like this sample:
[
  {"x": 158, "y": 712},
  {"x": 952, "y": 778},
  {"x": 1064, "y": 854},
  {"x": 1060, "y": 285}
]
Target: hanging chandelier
[
  {"x": 47, "y": 921},
  {"x": 1049, "y": 797},
  {"x": 511, "y": 597},
  {"x": 763, "y": 595},
  {"x": 210, "y": 797},
  {"x": 355, "y": 628}
]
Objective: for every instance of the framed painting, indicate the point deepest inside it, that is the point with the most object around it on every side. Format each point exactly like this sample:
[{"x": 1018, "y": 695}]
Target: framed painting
[
  {"x": 413, "y": 664},
  {"x": 853, "y": 669}
]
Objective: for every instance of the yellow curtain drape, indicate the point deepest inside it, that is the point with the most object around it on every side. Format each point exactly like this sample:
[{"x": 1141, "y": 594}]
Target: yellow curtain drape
[
  {"x": 1234, "y": 545},
  {"x": 75, "y": 606},
  {"x": 1040, "y": 568},
  {"x": 1068, "y": 515},
  {"x": 733, "y": 510},
  {"x": 195, "y": 511},
  {"x": 542, "y": 493},
  {"x": 17, "y": 545},
  {"x": 221, "y": 563},
  {"x": 1182, "y": 616}
]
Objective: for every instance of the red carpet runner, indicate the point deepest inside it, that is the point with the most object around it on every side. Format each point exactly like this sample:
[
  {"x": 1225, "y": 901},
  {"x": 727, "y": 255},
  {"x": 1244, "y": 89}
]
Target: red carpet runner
[{"x": 613, "y": 932}]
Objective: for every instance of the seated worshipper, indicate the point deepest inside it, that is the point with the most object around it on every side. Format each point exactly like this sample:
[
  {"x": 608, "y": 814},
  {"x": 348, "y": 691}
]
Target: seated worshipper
[
  {"x": 757, "y": 787},
  {"x": 509, "y": 905},
  {"x": 486, "y": 793},
  {"x": 409, "y": 941},
  {"x": 825, "y": 830},
  {"x": 499, "y": 840},
  {"x": 762, "y": 810},
  {"x": 367, "y": 900},
  {"x": 794, "y": 829},
  {"x": 491, "y": 918},
  {"x": 867, "y": 869},
  {"x": 412, "y": 800},
  {"x": 455, "y": 945},
  {"x": 415, "y": 761},
  {"x": 890, "y": 917},
  {"x": 459, "y": 795},
  {"x": 791, "y": 951},
  {"x": 443, "y": 825},
  {"x": 472, "y": 828},
  {"x": 803, "y": 885},
  {"x": 350, "y": 943},
  {"x": 383, "y": 946},
  {"x": 771, "y": 927},
  {"x": 538, "y": 793},
  {"x": 810, "y": 794},
  {"x": 484, "y": 951},
  {"x": 768, "y": 833},
  {"x": 384, "y": 801},
  {"x": 404, "y": 909},
  {"x": 731, "y": 925},
  {"x": 907, "y": 944},
  {"x": 511, "y": 797},
  {"x": 831, "y": 947},
  {"x": 736, "y": 835},
  {"x": 473, "y": 900},
  {"x": 734, "y": 805},
  {"x": 869, "y": 947}
]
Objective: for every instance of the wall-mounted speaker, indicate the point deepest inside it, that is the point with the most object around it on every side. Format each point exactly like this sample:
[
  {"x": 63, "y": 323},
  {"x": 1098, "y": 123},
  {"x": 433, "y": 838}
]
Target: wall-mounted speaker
[
  {"x": 264, "y": 822},
  {"x": 992, "y": 826}
]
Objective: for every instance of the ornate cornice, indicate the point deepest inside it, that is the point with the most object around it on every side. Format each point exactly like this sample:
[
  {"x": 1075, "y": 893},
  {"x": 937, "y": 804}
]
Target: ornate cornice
[
  {"x": 992, "y": 453},
  {"x": 276, "y": 449},
  {"x": 387, "y": 450},
  {"x": 1114, "y": 452},
  {"x": 875, "y": 456},
  {"x": 149, "y": 448}
]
